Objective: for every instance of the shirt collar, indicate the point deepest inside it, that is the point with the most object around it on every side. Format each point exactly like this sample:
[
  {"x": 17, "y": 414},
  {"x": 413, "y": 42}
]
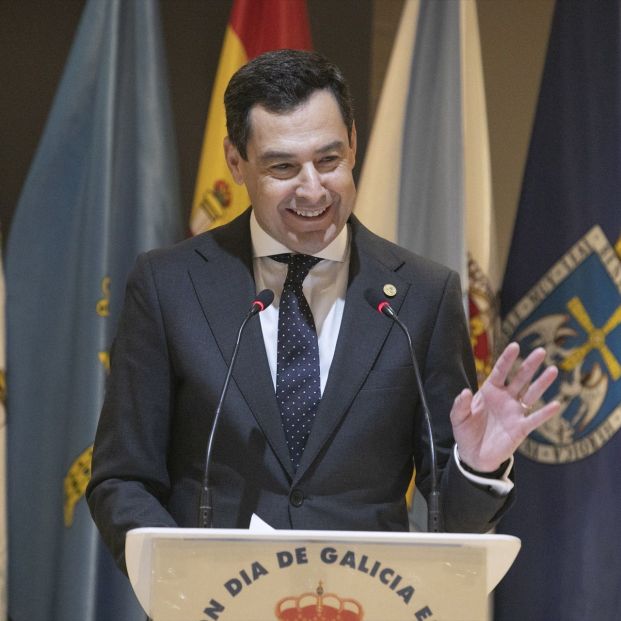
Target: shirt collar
[{"x": 264, "y": 245}]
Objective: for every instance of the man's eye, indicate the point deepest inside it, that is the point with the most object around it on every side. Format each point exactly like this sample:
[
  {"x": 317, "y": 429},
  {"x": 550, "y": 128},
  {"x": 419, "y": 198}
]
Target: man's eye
[
  {"x": 281, "y": 167},
  {"x": 328, "y": 162}
]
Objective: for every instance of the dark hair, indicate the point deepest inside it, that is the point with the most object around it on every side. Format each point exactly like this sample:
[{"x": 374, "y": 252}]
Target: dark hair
[{"x": 280, "y": 81}]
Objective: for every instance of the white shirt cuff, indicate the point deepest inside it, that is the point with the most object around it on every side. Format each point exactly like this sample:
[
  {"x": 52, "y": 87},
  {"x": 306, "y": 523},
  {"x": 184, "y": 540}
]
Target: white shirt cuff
[{"x": 501, "y": 486}]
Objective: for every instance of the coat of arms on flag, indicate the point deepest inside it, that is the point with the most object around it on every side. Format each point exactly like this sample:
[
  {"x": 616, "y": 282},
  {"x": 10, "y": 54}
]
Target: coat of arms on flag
[{"x": 574, "y": 311}]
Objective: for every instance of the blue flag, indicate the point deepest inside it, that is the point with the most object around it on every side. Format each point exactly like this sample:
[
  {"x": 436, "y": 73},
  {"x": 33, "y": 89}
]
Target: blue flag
[
  {"x": 562, "y": 290},
  {"x": 102, "y": 188}
]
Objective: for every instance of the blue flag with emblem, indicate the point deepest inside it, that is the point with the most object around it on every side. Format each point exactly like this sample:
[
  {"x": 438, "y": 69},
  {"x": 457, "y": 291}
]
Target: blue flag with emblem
[
  {"x": 562, "y": 291},
  {"x": 102, "y": 187}
]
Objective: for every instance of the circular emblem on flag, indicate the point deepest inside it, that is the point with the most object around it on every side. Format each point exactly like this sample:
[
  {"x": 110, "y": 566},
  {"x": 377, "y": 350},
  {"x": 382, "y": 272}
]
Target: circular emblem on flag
[{"x": 574, "y": 312}]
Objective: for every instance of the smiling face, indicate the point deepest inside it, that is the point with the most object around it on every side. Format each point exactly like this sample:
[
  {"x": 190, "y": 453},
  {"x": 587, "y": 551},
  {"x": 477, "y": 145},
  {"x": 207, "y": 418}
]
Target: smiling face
[{"x": 299, "y": 172}]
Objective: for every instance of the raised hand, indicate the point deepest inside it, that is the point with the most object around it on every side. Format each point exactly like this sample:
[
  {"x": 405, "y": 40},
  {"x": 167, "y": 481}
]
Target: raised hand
[{"x": 490, "y": 425}]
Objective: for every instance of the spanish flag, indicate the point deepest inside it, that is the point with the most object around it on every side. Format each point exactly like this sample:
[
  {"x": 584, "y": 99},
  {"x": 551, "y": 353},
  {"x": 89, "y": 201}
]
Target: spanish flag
[{"x": 255, "y": 26}]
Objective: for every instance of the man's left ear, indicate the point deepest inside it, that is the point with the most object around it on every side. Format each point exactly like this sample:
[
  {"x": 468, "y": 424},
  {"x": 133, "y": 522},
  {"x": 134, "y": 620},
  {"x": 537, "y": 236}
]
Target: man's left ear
[
  {"x": 233, "y": 159},
  {"x": 353, "y": 141}
]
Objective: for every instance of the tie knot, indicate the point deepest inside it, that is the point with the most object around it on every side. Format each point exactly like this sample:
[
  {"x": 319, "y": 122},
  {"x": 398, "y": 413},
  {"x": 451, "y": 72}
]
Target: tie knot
[{"x": 299, "y": 265}]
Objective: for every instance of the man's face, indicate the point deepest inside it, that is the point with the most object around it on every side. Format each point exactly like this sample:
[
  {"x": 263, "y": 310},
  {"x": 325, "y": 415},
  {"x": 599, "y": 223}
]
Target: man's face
[{"x": 299, "y": 172}]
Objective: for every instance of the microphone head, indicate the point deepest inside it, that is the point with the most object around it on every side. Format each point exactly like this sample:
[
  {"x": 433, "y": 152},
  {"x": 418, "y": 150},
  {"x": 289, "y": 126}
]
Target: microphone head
[
  {"x": 378, "y": 302},
  {"x": 263, "y": 300}
]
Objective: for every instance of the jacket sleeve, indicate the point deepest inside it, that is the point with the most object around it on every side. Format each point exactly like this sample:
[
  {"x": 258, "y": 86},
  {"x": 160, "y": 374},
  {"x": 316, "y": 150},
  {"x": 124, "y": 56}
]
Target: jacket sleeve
[{"x": 448, "y": 369}]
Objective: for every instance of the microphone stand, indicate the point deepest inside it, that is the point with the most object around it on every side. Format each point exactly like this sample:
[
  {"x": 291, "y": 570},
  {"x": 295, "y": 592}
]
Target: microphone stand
[
  {"x": 433, "y": 500},
  {"x": 434, "y": 522},
  {"x": 205, "y": 505}
]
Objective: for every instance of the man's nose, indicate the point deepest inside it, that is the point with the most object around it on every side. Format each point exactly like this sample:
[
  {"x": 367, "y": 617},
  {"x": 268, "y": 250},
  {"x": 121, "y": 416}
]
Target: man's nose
[{"x": 310, "y": 186}]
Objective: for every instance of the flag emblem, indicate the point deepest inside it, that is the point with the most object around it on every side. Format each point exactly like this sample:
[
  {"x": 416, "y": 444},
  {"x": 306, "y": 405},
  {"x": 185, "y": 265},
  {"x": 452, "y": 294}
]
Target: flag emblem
[
  {"x": 318, "y": 606},
  {"x": 75, "y": 483},
  {"x": 574, "y": 312},
  {"x": 217, "y": 199},
  {"x": 483, "y": 319}
]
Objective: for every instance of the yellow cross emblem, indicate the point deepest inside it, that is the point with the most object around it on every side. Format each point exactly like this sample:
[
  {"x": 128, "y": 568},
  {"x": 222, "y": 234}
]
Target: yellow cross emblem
[{"x": 596, "y": 339}]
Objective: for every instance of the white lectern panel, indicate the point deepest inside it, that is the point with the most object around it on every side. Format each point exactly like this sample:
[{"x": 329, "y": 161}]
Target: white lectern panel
[{"x": 236, "y": 575}]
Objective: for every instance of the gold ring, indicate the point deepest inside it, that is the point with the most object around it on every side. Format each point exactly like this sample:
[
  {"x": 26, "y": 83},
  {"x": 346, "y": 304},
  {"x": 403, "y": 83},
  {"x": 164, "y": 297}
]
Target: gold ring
[{"x": 526, "y": 409}]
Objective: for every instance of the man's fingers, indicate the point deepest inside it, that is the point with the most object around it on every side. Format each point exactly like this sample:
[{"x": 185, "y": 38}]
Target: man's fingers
[
  {"x": 519, "y": 382},
  {"x": 503, "y": 365},
  {"x": 539, "y": 386},
  {"x": 461, "y": 407},
  {"x": 540, "y": 416}
]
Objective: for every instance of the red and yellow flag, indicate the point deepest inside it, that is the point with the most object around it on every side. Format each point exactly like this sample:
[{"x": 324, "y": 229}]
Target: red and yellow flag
[{"x": 255, "y": 26}]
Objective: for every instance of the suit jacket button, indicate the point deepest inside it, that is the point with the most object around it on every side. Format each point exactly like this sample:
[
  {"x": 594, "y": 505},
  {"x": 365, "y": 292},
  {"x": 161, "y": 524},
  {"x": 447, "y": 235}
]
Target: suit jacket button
[{"x": 297, "y": 498}]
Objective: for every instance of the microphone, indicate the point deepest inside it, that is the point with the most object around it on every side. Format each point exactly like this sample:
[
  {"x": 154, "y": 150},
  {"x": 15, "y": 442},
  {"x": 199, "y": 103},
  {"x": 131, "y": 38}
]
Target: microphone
[
  {"x": 382, "y": 306},
  {"x": 205, "y": 508},
  {"x": 261, "y": 302}
]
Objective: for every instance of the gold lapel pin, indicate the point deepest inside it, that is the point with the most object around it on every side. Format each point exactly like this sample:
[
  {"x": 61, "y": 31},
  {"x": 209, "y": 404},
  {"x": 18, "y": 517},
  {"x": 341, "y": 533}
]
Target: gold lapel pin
[{"x": 390, "y": 290}]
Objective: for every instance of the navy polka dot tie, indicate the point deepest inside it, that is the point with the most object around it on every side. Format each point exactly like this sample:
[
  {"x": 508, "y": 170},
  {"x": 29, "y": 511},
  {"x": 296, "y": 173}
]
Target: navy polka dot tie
[{"x": 298, "y": 390}]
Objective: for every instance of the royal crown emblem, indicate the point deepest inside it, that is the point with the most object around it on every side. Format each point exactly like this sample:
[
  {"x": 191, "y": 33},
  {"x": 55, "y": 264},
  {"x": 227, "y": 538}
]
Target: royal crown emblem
[{"x": 318, "y": 606}]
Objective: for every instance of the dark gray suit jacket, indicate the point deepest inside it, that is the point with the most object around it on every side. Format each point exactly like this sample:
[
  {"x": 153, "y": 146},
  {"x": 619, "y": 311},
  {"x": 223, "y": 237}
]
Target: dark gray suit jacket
[{"x": 177, "y": 331}]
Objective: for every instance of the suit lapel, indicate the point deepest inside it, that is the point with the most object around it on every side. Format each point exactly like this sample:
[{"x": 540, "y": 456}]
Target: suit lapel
[
  {"x": 362, "y": 327},
  {"x": 225, "y": 286}
]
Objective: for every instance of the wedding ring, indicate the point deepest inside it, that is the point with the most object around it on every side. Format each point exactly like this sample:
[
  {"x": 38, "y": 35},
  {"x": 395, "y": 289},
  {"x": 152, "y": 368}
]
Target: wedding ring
[{"x": 526, "y": 409}]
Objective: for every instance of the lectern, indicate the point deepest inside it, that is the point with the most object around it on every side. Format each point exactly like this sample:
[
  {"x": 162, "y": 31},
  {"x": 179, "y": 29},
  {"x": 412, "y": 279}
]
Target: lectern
[{"x": 240, "y": 575}]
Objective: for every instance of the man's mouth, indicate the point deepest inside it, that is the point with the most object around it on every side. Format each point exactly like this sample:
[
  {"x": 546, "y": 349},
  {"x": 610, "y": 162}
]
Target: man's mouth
[{"x": 310, "y": 213}]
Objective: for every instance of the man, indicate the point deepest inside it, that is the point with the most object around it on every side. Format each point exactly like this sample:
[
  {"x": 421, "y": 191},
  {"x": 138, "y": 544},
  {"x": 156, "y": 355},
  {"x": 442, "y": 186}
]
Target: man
[{"x": 333, "y": 449}]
